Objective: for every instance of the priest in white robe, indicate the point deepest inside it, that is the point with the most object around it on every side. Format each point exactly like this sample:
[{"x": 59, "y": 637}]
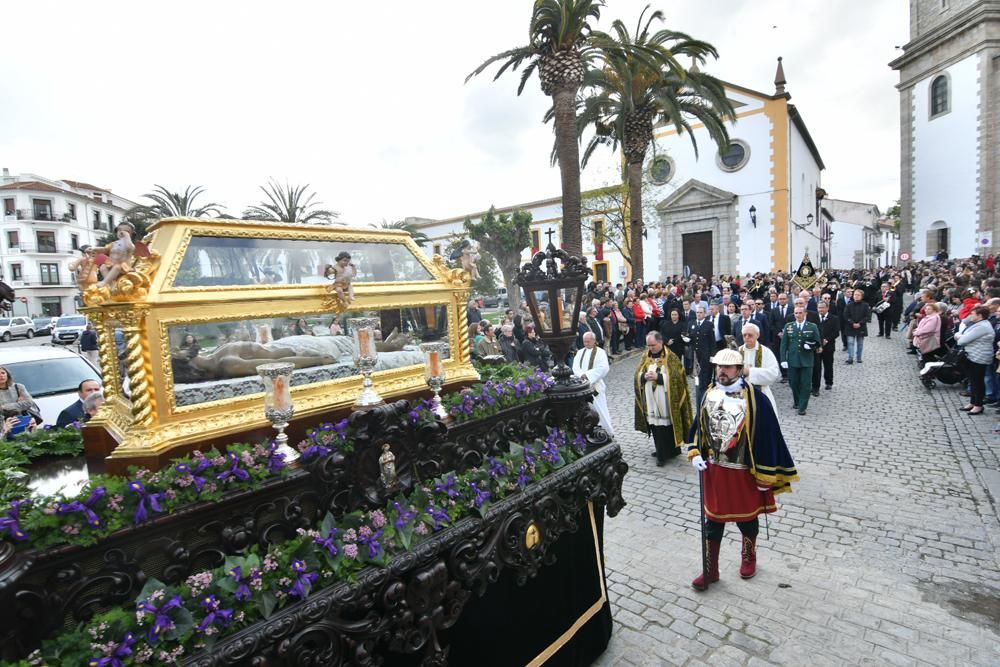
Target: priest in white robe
[
  {"x": 760, "y": 366},
  {"x": 591, "y": 364}
]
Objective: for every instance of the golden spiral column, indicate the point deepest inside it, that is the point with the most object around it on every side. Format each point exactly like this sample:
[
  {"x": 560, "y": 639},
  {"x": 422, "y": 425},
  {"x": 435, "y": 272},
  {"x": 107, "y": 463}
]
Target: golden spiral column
[
  {"x": 465, "y": 353},
  {"x": 138, "y": 367}
]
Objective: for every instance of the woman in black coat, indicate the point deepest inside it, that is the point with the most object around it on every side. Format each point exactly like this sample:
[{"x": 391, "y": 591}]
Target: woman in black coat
[
  {"x": 672, "y": 329},
  {"x": 534, "y": 351},
  {"x": 857, "y": 314}
]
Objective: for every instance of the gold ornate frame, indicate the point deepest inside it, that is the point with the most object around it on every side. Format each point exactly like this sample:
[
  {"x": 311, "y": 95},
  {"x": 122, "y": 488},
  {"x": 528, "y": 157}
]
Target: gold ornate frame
[{"x": 149, "y": 424}]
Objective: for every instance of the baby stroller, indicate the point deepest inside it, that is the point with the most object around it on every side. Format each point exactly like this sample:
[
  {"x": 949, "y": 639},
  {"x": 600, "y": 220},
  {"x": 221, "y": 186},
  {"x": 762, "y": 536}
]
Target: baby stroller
[{"x": 945, "y": 369}]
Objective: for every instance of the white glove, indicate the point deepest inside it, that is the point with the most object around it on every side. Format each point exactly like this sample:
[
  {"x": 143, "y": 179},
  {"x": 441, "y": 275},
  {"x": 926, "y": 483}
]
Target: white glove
[
  {"x": 784, "y": 364},
  {"x": 763, "y": 489},
  {"x": 699, "y": 463}
]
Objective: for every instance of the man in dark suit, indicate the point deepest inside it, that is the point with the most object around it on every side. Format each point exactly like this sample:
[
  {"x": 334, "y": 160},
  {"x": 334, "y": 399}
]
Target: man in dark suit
[
  {"x": 702, "y": 346},
  {"x": 844, "y": 300},
  {"x": 738, "y": 322},
  {"x": 798, "y": 354},
  {"x": 777, "y": 317},
  {"x": 721, "y": 326},
  {"x": 759, "y": 317},
  {"x": 75, "y": 412},
  {"x": 829, "y": 329}
]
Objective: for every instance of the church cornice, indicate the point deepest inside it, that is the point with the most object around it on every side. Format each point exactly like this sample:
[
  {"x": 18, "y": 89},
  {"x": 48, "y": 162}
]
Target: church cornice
[{"x": 988, "y": 11}]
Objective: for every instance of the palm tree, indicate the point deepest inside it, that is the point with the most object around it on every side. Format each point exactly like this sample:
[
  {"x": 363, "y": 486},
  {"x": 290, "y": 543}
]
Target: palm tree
[
  {"x": 631, "y": 96},
  {"x": 418, "y": 236},
  {"x": 168, "y": 204},
  {"x": 289, "y": 204},
  {"x": 561, "y": 48}
]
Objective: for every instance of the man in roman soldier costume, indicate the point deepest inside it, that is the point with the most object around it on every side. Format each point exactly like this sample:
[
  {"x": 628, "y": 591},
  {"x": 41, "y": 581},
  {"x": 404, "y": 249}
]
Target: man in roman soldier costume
[
  {"x": 738, "y": 449},
  {"x": 662, "y": 404}
]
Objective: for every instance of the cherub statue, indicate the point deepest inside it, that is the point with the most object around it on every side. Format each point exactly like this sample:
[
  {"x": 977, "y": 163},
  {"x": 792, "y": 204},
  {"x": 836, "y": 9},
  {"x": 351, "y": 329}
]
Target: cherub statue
[
  {"x": 343, "y": 272},
  {"x": 119, "y": 255},
  {"x": 85, "y": 268},
  {"x": 470, "y": 255}
]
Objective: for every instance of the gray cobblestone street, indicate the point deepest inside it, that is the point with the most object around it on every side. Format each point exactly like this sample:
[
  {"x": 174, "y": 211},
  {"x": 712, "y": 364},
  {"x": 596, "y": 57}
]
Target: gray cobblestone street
[{"x": 886, "y": 553}]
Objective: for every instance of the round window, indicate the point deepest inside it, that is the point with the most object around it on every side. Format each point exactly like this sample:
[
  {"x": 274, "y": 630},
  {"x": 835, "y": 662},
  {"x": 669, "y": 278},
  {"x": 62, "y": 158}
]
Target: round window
[
  {"x": 734, "y": 157},
  {"x": 661, "y": 170}
]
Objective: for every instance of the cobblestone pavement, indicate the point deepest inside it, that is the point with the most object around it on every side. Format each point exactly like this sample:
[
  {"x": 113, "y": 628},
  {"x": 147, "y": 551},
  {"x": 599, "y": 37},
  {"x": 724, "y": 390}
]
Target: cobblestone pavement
[{"x": 886, "y": 553}]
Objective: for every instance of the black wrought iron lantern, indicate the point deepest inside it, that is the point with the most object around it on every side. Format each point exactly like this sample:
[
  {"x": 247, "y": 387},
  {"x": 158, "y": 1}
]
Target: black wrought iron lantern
[{"x": 554, "y": 296}]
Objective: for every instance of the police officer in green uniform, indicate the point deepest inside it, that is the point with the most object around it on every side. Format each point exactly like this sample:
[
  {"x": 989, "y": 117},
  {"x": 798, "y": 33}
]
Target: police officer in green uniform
[{"x": 798, "y": 354}]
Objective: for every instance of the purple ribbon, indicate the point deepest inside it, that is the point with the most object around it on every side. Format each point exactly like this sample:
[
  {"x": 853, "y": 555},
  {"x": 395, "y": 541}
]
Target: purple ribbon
[
  {"x": 215, "y": 616},
  {"x": 234, "y": 470},
  {"x": 141, "y": 514},
  {"x": 87, "y": 508},
  {"x": 117, "y": 657},
  {"x": 197, "y": 480},
  {"x": 161, "y": 621},
  {"x": 11, "y": 522},
  {"x": 302, "y": 580}
]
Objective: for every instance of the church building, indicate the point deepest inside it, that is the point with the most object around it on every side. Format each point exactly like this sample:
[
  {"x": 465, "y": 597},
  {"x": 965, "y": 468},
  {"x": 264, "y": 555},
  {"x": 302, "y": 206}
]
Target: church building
[{"x": 949, "y": 88}]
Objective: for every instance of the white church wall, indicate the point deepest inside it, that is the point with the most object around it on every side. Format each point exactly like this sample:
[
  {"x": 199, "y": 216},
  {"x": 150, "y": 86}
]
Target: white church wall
[
  {"x": 946, "y": 159},
  {"x": 848, "y": 238},
  {"x": 804, "y": 176},
  {"x": 751, "y": 183}
]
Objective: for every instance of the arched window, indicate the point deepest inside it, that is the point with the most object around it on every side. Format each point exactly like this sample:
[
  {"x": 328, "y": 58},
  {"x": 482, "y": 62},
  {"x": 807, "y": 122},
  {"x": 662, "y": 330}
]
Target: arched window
[
  {"x": 937, "y": 238},
  {"x": 940, "y": 96}
]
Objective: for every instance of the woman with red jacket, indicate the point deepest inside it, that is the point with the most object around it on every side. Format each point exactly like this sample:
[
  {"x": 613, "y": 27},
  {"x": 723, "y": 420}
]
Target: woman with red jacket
[{"x": 968, "y": 303}]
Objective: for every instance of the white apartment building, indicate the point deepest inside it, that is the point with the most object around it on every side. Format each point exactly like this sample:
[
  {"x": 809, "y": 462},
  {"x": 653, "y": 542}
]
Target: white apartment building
[
  {"x": 858, "y": 239},
  {"x": 45, "y": 222}
]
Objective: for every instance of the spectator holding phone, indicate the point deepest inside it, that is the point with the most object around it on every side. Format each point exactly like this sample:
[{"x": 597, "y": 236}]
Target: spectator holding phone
[{"x": 12, "y": 426}]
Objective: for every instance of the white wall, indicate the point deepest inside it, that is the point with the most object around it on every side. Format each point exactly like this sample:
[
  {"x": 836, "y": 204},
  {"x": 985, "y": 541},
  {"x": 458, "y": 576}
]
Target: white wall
[
  {"x": 804, "y": 174},
  {"x": 945, "y": 165},
  {"x": 752, "y": 183},
  {"x": 847, "y": 238}
]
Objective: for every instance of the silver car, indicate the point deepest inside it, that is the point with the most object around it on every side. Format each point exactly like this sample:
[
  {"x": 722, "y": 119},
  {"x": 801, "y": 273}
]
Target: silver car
[
  {"x": 51, "y": 375},
  {"x": 16, "y": 326}
]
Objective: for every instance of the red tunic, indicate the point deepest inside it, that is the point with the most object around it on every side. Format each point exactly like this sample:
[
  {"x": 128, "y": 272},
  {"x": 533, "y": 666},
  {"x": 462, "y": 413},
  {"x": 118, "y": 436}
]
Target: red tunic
[{"x": 731, "y": 495}]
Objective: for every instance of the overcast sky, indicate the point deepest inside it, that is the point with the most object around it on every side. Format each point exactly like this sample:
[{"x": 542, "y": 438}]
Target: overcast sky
[{"x": 365, "y": 101}]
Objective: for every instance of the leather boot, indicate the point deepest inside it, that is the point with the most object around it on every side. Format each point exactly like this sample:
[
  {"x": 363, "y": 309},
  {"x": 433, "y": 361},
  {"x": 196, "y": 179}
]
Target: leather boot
[
  {"x": 713, "y": 567},
  {"x": 748, "y": 567}
]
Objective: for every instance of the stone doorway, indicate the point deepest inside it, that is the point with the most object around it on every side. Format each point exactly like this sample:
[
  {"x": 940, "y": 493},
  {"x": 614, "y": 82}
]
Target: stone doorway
[{"x": 697, "y": 253}]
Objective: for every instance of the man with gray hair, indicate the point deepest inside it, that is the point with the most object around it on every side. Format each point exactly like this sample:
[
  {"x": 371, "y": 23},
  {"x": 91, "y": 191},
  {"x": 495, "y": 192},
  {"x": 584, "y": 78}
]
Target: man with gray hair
[
  {"x": 760, "y": 366},
  {"x": 92, "y": 404},
  {"x": 591, "y": 364}
]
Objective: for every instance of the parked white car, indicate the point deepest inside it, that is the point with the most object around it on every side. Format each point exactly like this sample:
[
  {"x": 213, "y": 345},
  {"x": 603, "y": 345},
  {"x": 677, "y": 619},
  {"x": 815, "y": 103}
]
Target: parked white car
[
  {"x": 16, "y": 326},
  {"x": 67, "y": 329},
  {"x": 52, "y": 375}
]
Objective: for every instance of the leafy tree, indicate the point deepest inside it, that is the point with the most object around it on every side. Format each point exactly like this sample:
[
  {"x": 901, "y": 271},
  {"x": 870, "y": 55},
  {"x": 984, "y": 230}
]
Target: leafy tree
[
  {"x": 418, "y": 236},
  {"x": 504, "y": 236},
  {"x": 561, "y": 46},
  {"x": 641, "y": 84},
  {"x": 285, "y": 203},
  {"x": 610, "y": 206},
  {"x": 895, "y": 215}
]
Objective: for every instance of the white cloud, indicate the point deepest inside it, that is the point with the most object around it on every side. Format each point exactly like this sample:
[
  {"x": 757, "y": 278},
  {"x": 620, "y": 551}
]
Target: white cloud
[{"x": 366, "y": 101}]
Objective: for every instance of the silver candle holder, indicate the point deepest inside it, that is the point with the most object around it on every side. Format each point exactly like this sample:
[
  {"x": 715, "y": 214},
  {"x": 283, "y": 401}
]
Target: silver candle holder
[
  {"x": 278, "y": 407},
  {"x": 365, "y": 356},
  {"x": 434, "y": 374}
]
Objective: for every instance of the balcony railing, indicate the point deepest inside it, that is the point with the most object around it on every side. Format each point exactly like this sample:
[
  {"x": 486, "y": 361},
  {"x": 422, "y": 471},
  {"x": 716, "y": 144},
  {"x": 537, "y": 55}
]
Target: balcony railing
[
  {"x": 35, "y": 280},
  {"x": 38, "y": 215},
  {"x": 45, "y": 248}
]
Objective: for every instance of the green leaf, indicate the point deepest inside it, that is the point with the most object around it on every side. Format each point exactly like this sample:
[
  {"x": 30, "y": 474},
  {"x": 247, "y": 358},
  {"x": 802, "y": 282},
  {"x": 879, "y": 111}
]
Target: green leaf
[
  {"x": 266, "y": 603},
  {"x": 152, "y": 584}
]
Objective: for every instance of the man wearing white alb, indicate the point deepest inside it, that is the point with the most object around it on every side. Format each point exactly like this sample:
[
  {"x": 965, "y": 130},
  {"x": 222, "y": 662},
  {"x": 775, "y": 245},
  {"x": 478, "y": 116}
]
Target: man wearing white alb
[
  {"x": 591, "y": 364},
  {"x": 760, "y": 366}
]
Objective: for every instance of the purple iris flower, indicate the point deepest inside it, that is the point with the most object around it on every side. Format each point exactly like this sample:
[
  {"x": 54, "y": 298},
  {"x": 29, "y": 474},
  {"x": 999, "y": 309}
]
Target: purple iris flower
[
  {"x": 161, "y": 620},
  {"x": 195, "y": 472},
  {"x": 403, "y": 517},
  {"x": 371, "y": 541},
  {"x": 438, "y": 516},
  {"x": 529, "y": 456},
  {"x": 303, "y": 580},
  {"x": 447, "y": 486},
  {"x": 497, "y": 468},
  {"x": 522, "y": 476},
  {"x": 234, "y": 471},
  {"x": 341, "y": 429},
  {"x": 86, "y": 507},
  {"x": 11, "y": 522},
  {"x": 117, "y": 657},
  {"x": 520, "y": 389},
  {"x": 275, "y": 459},
  {"x": 481, "y": 496},
  {"x": 242, "y": 589},
  {"x": 315, "y": 450},
  {"x": 141, "y": 514},
  {"x": 580, "y": 443},
  {"x": 327, "y": 542},
  {"x": 550, "y": 452},
  {"x": 215, "y": 616}
]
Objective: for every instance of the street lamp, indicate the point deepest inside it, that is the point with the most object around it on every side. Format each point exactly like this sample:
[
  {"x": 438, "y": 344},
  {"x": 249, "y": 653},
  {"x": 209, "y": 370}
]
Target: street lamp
[
  {"x": 810, "y": 218},
  {"x": 753, "y": 215}
]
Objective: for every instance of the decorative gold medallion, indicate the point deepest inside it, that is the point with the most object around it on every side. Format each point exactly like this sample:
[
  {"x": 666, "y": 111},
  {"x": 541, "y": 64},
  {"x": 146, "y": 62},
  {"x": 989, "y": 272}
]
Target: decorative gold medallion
[{"x": 532, "y": 536}]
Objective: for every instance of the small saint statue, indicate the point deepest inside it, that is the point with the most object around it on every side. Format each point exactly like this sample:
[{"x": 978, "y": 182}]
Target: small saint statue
[
  {"x": 470, "y": 255},
  {"x": 120, "y": 253},
  {"x": 387, "y": 466},
  {"x": 343, "y": 272},
  {"x": 85, "y": 268}
]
